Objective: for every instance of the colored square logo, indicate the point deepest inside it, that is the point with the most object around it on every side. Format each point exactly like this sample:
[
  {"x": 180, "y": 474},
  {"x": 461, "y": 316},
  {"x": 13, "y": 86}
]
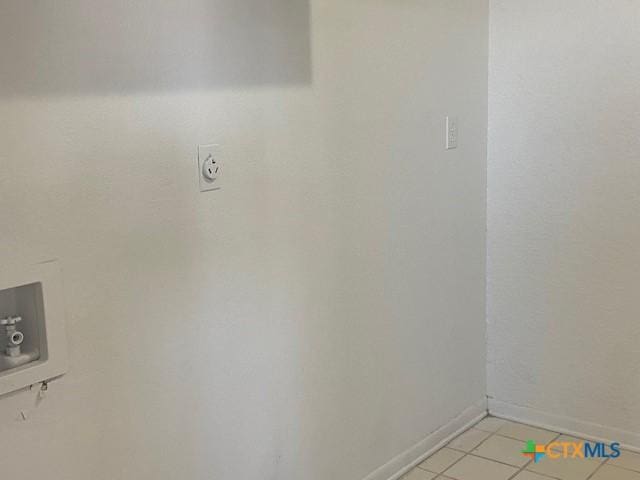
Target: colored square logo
[{"x": 534, "y": 451}]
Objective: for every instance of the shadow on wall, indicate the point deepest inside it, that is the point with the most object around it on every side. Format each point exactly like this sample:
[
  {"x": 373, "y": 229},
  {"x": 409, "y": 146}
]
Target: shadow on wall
[{"x": 121, "y": 46}]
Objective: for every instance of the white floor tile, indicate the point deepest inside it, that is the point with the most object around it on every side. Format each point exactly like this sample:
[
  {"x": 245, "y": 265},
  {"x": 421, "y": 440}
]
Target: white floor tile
[
  {"x": 490, "y": 424},
  {"x": 502, "y": 449},
  {"x": 530, "y": 476},
  {"x": 474, "y": 468},
  {"x": 565, "y": 468},
  {"x": 628, "y": 460},
  {"x": 419, "y": 474},
  {"x": 494, "y": 452},
  {"x": 525, "y": 433},
  {"x": 468, "y": 440},
  {"x": 569, "y": 438},
  {"x": 441, "y": 460},
  {"x": 612, "y": 473}
]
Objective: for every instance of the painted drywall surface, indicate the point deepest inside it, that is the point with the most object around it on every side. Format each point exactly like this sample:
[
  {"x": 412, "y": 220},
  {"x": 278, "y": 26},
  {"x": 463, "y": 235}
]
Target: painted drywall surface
[
  {"x": 303, "y": 322},
  {"x": 170, "y": 45},
  {"x": 563, "y": 223}
]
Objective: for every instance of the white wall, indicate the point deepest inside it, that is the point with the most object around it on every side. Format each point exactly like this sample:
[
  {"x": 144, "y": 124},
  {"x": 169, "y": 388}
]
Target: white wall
[
  {"x": 563, "y": 223},
  {"x": 305, "y": 322}
]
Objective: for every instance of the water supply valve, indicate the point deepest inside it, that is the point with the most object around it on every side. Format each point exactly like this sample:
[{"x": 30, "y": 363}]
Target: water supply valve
[
  {"x": 13, "y": 336},
  {"x": 33, "y": 346}
]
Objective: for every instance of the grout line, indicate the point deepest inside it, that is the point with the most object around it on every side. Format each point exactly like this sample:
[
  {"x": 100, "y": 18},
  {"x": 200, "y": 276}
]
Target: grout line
[
  {"x": 489, "y": 431},
  {"x": 520, "y": 470},
  {"x": 523, "y": 468},
  {"x": 626, "y": 469},
  {"x": 454, "y": 463},
  {"x": 520, "y": 440},
  {"x": 469, "y": 452},
  {"x": 495, "y": 461},
  {"x": 476, "y": 447},
  {"x": 442, "y": 476},
  {"x": 602, "y": 464}
]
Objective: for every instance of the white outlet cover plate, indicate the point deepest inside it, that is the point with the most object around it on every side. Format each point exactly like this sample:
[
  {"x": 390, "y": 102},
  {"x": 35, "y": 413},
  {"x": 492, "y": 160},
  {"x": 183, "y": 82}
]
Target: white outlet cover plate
[
  {"x": 204, "y": 151},
  {"x": 53, "y": 363}
]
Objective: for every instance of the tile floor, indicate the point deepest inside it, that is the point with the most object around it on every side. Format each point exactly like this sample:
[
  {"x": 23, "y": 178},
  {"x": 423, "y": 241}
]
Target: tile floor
[{"x": 491, "y": 450}]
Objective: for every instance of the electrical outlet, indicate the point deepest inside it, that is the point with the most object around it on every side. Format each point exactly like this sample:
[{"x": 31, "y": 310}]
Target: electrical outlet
[
  {"x": 209, "y": 167},
  {"x": 452, "y": 133}
]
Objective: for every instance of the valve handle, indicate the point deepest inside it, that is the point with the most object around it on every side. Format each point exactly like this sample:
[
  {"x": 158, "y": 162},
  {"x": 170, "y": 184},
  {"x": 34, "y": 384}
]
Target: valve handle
[{"x": 10, "y": 320}]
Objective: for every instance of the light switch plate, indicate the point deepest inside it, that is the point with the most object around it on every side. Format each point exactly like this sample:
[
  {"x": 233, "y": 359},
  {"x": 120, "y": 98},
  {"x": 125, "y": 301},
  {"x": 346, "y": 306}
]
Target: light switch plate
[
  {"x": 210, "y": 167},
  {"x": 452, "y": 133}
]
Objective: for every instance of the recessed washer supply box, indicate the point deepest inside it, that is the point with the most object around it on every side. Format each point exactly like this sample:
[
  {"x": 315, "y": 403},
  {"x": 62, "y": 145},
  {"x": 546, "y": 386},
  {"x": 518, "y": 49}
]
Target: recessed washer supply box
[{"x": 33, "y": 344}]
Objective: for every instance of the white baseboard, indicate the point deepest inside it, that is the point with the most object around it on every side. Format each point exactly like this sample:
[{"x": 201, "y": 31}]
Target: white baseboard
[
  {"x": 567, "y": 425},
  {"x": 408, "y": 459}
]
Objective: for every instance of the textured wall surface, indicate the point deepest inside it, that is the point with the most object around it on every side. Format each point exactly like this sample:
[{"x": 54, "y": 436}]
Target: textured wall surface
[
  {"x": 563, "y": 209},
  {"x": 307, "y": 321}
]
